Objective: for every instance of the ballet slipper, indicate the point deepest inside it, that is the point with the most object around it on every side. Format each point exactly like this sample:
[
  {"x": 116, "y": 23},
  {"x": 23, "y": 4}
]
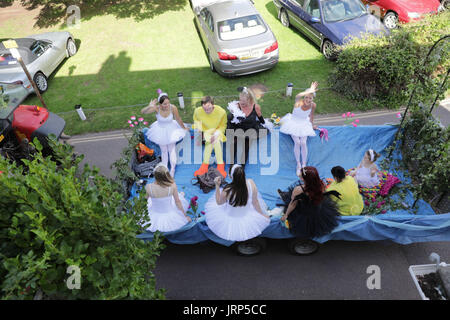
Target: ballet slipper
[
  {"x": 203, "y": 169},
  {"x": 221, "y": 168}
]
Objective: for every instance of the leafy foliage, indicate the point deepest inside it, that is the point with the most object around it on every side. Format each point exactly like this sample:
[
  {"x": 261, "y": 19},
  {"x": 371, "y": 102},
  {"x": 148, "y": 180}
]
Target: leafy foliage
[
  {"x": 379, "y": 70},
  {"x": 57, "y": 216}
]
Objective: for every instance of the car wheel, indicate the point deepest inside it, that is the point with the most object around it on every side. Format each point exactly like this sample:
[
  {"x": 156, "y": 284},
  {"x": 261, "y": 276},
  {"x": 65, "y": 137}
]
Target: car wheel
[
  {"x": 71, "y": 48},
  {"x": 211, "y": 64},
  {"x": 41, "y": 82},
  {"x": 391, "y": 20},
  {"x": 251, "y": 247},
  {"x": 302, "y": 247},
  {"x": 329, "y": 50},
  {"x": 284, "y": 18}
]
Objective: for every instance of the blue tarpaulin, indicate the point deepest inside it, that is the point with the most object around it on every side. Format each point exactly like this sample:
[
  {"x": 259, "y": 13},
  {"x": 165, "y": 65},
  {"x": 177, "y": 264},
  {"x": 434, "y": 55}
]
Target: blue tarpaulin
[{"x": 345, "y": 147}]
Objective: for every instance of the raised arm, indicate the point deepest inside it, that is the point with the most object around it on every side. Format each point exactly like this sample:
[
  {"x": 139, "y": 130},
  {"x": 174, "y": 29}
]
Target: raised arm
[
  {"x": 152, "y": 107},
  {"x": 221, "y": 197},
  {"x": 293, "y": 203}
]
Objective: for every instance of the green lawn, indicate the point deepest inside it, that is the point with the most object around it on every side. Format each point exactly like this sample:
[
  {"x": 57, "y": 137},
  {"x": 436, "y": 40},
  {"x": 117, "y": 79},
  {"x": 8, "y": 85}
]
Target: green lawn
[{"x": 122, "y": 62}]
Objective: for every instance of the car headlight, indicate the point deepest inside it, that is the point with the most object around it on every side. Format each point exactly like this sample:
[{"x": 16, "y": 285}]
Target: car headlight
[{"x": 413, "y": 15}]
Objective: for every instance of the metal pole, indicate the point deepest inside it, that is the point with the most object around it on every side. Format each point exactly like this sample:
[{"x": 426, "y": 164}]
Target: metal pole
[{"x": 24, "y": 67}]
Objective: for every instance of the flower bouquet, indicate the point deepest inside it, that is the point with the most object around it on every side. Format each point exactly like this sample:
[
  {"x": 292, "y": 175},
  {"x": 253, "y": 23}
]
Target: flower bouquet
[
  {"x": 349, "y": 119},
  {"x": 193, "y": 208},
  {"x": 275, "y": 119}
]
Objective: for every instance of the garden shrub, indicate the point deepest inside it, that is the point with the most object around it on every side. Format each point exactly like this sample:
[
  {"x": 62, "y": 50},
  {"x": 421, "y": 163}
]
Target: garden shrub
[
  {"x": 57, "y": 216},
  {"x": 378, "y": 70}
]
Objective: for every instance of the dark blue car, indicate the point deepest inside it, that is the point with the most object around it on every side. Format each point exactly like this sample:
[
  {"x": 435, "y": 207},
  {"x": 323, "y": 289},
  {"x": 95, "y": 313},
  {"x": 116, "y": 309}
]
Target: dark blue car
[{"x": 328, "y": 22}]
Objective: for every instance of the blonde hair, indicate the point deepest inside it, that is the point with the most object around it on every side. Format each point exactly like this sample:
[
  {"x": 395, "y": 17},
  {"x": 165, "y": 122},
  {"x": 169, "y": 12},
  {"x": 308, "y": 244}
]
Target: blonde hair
[{"x": 162, "y": 176}]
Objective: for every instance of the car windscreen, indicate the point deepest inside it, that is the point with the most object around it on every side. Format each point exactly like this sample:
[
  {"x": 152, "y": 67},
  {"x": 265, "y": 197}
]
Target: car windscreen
[
  {"x": 242, "y": 27},
  {"x": 7, "y": 60},
  {"x": 340, "y": 10}
]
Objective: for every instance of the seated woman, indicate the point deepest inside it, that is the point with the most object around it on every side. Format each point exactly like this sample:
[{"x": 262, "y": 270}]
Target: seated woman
[
  {"x": 166, "y": 207},
  {"x": 236, "y": 213},
  {"x": 310, "y": 210},
  {"x": 351, "y": 202},
  {"x": 246, "y": 115},
  {"x": 366, "y": 174}
]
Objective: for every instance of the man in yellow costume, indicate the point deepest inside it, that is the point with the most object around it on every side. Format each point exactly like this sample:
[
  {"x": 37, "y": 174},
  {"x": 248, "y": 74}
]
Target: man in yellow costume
[{"x": 211, "y": 120}]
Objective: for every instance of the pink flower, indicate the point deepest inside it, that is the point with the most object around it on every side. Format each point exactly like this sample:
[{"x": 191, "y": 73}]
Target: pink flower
[
  {"x": 135, "y": 122},
  {"x": 141, "y": 119},
  {"x": 366, "y": 203},
  {"x": 348, "y": 114},
  {"x": 129, "y": 121},
  {"x": 373, "y": 200},
  {"x": 399, "y": 115},
  {"x": 195, "y": 198},
  {"x": 343, "y": 115},
  {"x": 203, "y": 212},
  {"x": 132, "y": 125},
  {"x": 357, "y": 120},
  {"x": 145, "y": 123},
  {"x": 354, "y": 124},
  {"x": 383, "y": 211},
  {"x": 352, "y": 115},
  {"x": 189, "y": 207},
  {"x": 133, "y": 118},
  {"x": 379, "y": 205}
]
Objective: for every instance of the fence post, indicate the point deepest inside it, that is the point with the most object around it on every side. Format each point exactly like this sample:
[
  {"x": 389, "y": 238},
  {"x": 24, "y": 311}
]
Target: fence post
[
  {"x": 80, "y": 112},
  {"x": 181, "y": 99},
  {"x": 289, "y": 89}
]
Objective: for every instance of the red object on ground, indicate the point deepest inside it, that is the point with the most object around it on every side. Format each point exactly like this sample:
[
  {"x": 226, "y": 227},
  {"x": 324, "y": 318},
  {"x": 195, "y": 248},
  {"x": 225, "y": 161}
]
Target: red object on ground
[{"x": 27, "y": 119}]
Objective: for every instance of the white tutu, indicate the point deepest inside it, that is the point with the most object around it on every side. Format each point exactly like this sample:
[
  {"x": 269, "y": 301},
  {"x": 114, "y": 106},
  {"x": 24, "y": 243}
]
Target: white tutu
[
  {"x": 165, "y": 131},
  {"x": 297, "y": 124},
  {"x": 236, "y": 223},
  {"x": 364, "y": 178},
  {"x": 165, "y": 215}
]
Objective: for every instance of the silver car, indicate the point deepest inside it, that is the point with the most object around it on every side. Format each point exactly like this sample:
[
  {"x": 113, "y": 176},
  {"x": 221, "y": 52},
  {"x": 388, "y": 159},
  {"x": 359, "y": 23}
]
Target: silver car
[
  {"x": 236, "y": 38},
  {"x": 42, "y": 54}
]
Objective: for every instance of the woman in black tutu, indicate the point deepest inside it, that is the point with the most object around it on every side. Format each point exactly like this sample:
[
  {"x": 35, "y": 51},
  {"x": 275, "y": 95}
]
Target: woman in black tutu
[
  {"x": 246, "y": 114},
  {"x": 309, "y": 210}
]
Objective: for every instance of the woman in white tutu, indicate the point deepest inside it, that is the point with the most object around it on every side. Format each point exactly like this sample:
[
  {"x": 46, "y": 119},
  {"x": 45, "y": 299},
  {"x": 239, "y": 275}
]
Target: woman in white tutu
[
  {"x": 166, "y": 207},
  {"x": 300, "y": 124},
  {"x": 366, "y": 174},
  {"x": 236, "y": 213},
  {"x": 165, "y": 131}
]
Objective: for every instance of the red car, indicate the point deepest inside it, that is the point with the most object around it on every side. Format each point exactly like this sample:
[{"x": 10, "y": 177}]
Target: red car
[{"x": 394, "y": 11}]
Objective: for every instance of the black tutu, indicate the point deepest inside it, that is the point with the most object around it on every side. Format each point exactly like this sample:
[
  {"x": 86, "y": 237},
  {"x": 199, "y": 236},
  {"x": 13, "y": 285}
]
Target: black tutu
[{"x": 308, "y": 220}]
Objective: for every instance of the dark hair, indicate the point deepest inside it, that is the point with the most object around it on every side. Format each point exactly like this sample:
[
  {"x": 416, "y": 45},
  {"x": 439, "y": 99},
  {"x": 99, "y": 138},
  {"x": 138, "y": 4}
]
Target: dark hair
[
  {"x": 314, "y": 186},
  {"x": 376, "y": 155},
  {"x": 207, "y": 99},
  {"x": 237, "y": 189},
  {"x": 163, "y": 98},
  {"x": 338, "y": 173}
]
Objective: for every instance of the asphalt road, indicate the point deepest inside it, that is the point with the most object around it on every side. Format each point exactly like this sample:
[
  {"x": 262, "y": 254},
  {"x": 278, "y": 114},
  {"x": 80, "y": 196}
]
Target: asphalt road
[{"x": 337, "y": 271}]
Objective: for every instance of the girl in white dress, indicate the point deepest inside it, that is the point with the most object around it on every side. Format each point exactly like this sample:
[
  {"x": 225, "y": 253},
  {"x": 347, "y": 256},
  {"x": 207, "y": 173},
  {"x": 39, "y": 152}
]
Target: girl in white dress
[
  {"x": 300, "y": 124},
  {"x": 366, "y": 174},
  {"x": 166, "y": 207},
  {"x": 166, "y": 131},
  {"x": 236, "y": 213}
]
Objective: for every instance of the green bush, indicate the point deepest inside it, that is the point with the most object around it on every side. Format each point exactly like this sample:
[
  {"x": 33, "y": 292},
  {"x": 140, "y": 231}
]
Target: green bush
[
  {"x": 379, "y": 70},
  {"x": 57, "y": 216}
]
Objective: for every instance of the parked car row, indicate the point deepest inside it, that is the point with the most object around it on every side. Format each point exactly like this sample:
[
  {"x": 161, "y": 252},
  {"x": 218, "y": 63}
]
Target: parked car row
[{"x": 238, "y": 41}]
